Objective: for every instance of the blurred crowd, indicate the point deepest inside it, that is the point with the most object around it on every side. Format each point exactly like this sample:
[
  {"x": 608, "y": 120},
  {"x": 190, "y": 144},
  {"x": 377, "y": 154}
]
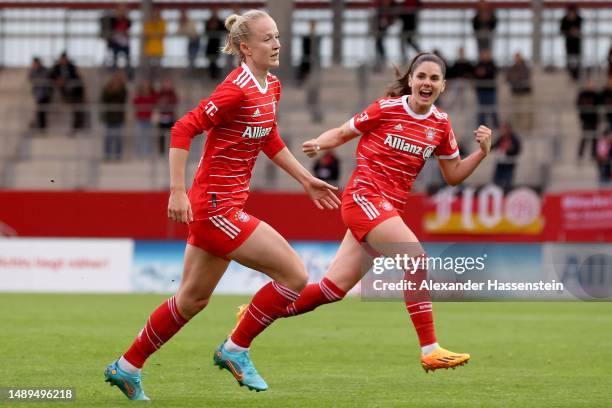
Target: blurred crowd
[
  {"x": 154, "y": 106},
  {"x": 152, "y": 99}
]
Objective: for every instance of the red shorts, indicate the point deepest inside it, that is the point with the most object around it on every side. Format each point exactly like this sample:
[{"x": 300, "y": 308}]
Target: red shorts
[
  {"x": 223, "y": 233},
  {"x": 361, "y": 213}
]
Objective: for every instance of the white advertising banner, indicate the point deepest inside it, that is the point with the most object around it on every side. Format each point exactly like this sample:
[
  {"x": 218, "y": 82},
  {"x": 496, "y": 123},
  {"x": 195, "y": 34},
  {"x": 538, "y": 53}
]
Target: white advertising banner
[{"x": 65, "y": 265}]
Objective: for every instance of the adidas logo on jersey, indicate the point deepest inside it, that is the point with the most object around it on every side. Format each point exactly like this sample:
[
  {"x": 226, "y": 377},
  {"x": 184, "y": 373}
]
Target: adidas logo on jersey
[
  {"x": 399, "y": 143},
  {"x": 398, "y": 127},
  {"x": 257, "y": 113},
  {"x": 256, "y": 132}
]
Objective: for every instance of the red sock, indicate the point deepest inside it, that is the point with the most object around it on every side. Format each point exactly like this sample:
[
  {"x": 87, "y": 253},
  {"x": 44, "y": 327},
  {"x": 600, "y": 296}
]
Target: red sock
[
  {"x": 418, "y": 304},
  {"x": 161, "y": 326},
  {"x": 313, "y": 296},
  {"x": 268, "y": 304}
]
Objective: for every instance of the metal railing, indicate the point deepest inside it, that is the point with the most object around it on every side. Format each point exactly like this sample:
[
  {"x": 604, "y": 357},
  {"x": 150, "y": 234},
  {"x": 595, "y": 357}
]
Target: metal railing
[{"x": 47, "y": 32}]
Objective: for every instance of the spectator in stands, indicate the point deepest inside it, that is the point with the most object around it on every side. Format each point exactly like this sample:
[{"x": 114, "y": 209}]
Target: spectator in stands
[
  {"x": 106, "y": 28},
  {"x": 610, "y": 60},
  {"x": 154, "y": 31},
  {"x": 113, "y": 99},
  {"x": 383, "y": 19},
  {"x": 327, "y": 167},
  {"x": 410, "y": 21},
  {"x": 508, "y": 147},
  {"x": 42, "y": 91},
  {"x": 167, "y": 102},
  {"x": 484, "y": 23},
  {"x": 571, "y": 28},
  {"x": 485, "y": 73},
  {"x": 310, "y": 53},
  {"x": 519, "y": 79},
  {"x": 215, "y": 33},
  {"x": 604, "y": 157},
  {"x": 188, "y": 29},
  {"x": 606, "y": 101},
  {"x": 462, "y": 68},
  {"x": 461, "y": 73},
  {"x": 144, "y": 102},
  {"x": 68, "y": 80},
  {"x": 120, "y": 36},
  {"x": 587, "y": 104}
]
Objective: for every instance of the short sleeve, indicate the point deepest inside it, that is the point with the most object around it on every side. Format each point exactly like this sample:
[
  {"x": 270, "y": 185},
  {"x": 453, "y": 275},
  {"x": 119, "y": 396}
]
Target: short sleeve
[
  {"x": 274, "y": 143},
  {"x": 221, "y": 106},
  {"x": 367, "y": 120},
  {"x": 447, "y": 149}
]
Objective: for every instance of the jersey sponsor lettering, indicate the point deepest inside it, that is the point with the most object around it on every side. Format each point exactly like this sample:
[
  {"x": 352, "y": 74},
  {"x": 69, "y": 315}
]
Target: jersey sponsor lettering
[
  {"x": 399, "y": 143},
  {"x": 256, "y": 132},
  {"x": 211, "y": 109}
]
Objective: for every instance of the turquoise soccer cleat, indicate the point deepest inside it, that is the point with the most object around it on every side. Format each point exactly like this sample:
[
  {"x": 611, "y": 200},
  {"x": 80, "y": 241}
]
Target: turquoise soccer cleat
[
  {"x": 241, "y": 367},
  {"x": 128, "y": 383}
]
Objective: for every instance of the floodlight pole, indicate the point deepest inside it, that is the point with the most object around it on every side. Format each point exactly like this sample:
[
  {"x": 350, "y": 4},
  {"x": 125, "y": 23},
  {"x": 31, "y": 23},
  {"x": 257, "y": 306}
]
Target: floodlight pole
[
  {"x": 146, "y": 10},
  {"x": 537, "y": 7},
  {"x": 337, "y": 7},
  {"x": 282, "y": 12}
]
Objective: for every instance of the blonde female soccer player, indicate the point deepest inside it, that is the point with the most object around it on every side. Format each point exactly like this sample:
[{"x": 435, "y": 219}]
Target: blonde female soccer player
[{"x": 240, "y": 118}]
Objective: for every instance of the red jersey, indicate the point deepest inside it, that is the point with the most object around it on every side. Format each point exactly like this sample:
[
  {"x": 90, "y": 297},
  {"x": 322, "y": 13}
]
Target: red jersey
[
  {"x": 240, "y": 117},
  {"x": 394, "y": 145}
]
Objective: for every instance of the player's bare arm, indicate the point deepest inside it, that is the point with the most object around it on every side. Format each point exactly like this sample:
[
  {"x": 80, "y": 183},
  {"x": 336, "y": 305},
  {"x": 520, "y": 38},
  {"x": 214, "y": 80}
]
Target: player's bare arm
[
  {"x": 456, "y": 170},
  {"x": 319, "y": 191},
  {"x": 329, "y": 139},
  {"x": 179, "y": 207}
]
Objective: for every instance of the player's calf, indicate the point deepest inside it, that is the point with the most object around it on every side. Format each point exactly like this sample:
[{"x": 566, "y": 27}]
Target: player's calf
[{"x": 313, "y": 296}]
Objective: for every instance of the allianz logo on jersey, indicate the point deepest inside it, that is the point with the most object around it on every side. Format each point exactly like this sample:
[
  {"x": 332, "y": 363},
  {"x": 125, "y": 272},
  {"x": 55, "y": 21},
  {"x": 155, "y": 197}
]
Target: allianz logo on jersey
[
  {"x": 400, "y": 143},
  {"x": 256, "y": 132}
]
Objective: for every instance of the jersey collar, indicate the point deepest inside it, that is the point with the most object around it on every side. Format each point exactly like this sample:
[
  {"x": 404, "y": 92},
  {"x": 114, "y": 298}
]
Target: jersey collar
[
  {"x": 413, "y": 113},
  {"x": 248, "y": 70}
]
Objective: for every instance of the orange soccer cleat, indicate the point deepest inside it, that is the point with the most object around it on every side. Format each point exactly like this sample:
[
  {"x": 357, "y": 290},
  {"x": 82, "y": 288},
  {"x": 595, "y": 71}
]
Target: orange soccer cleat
[
  {"x": 442, "y": 358},
  {"x": 241, "y": 311}
]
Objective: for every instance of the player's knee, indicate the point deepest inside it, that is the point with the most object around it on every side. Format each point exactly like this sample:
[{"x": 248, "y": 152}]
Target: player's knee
[
  {"x": 298, "y": 279},
  {"x": 192, "y": 305},
  {"x": 200, "y": 303}
]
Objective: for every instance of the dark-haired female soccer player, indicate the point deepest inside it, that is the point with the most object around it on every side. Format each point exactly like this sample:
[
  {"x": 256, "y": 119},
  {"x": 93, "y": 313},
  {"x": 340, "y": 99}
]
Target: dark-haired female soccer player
[{"x": 398, "y": 132}]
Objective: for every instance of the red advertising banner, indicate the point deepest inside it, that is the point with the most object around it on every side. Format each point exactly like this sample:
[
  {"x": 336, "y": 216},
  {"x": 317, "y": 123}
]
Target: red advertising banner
[
  {"x": 486, "y": 214},
  {"x": 585, "y": 211}
]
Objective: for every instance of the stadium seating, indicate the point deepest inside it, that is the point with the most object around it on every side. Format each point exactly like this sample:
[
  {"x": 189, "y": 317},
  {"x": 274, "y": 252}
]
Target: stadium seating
[{"x": 29, "y": 159}]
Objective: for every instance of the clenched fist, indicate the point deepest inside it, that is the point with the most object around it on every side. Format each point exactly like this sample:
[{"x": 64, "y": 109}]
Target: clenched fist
[{"x": 483, "y": 137}]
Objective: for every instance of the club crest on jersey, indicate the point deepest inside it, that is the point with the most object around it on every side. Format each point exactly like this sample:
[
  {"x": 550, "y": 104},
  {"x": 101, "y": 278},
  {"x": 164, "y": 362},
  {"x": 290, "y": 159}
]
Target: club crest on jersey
[
  {"x": 385, "y": 205},
  {"x": 429, "y": 132},
  {"x": 453, "y": 141},
  {"x": 256, "y": 132},
  {"x": 242, "y": 216},
  {"x": 400, "y": 143}
]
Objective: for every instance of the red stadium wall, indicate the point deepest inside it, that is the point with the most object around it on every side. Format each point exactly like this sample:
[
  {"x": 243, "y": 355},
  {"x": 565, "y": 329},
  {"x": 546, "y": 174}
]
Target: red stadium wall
[{"x": 568, "y": 217}]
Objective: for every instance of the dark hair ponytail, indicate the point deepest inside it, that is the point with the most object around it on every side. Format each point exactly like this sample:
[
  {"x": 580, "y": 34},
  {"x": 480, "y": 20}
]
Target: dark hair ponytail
[{"x": 400, "y": 86}]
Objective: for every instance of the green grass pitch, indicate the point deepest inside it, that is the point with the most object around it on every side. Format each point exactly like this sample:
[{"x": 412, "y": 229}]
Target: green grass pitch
[{"x": 349, "y": 354}]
